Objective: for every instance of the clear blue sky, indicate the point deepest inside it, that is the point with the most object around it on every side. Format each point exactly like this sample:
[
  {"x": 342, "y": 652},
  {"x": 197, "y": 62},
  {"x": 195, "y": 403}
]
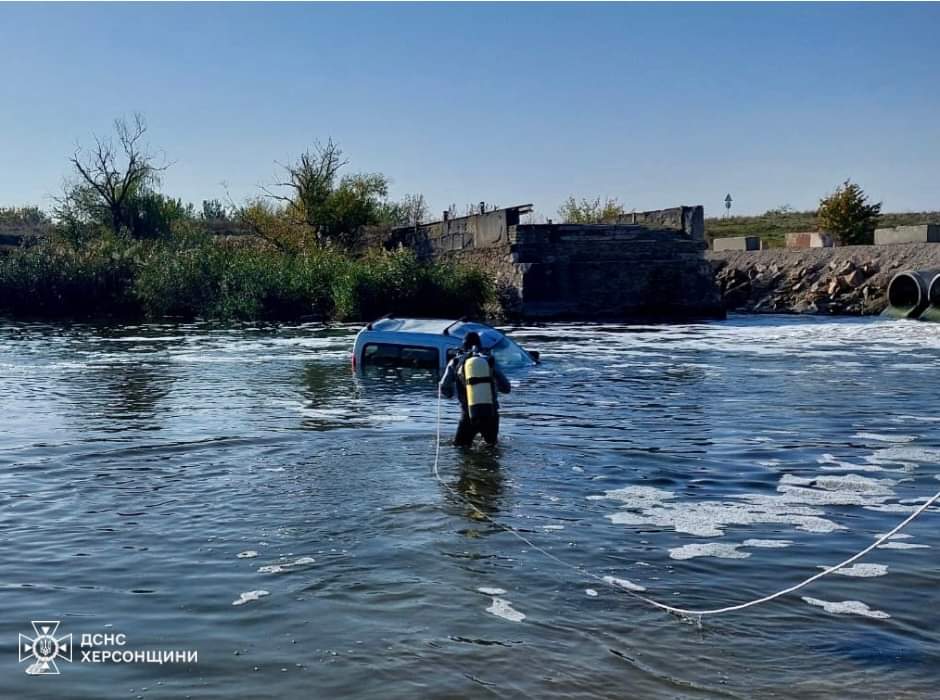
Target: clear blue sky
[{"x": 654, "y": 104}]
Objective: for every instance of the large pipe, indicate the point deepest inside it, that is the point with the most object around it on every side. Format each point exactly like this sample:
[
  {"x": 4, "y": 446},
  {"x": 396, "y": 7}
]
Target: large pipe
[
  {"x": 909, "y": 293},
  {"x": 933, "y": 295}
]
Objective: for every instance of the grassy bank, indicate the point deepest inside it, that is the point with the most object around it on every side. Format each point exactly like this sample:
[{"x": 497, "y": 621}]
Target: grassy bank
[
  {"x": 773, "y": 226},
  {"x": 197, "y": 277}
]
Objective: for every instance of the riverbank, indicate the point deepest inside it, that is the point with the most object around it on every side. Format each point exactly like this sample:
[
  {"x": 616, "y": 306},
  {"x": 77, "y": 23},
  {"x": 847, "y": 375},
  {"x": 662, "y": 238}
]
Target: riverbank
[{"x": 850, "y": 280}]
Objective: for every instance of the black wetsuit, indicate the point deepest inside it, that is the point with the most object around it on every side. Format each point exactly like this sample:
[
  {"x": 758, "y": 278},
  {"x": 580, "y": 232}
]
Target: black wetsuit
[{"x": 468, "y": 428}]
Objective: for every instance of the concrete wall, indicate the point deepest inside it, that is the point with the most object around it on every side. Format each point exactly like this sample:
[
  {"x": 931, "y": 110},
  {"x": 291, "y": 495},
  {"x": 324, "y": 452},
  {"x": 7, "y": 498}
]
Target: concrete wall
[
  {"x": 691, "y": 220},
  {"x": 809, "y": 239},
  {"x": 625, "y": 270},
  {"x": 925, "y": 233},
  {"x": 736, "y": 243},
  {"x": 461, "y": 233}
]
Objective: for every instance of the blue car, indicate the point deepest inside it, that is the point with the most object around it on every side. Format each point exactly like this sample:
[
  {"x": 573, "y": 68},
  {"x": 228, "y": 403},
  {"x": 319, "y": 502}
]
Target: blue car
[{"x": 430, "y": 343}]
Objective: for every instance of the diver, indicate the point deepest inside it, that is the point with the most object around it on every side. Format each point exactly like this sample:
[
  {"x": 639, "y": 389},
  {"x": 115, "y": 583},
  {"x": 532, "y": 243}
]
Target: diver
[{"x": 478, "y": 381}]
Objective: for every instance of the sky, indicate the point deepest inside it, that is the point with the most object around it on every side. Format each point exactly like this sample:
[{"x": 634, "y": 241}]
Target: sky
[{"x": 654, "y": 104}]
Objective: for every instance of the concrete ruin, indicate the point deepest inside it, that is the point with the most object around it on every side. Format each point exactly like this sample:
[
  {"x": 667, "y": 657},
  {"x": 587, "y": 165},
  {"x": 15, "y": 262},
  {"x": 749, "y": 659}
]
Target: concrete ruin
[
  {"x": 643, "y": 265},
  {"x": 736, "y": 243},
  {"x": 924, "y": 233},
  {"x": 809, "y": 239}
]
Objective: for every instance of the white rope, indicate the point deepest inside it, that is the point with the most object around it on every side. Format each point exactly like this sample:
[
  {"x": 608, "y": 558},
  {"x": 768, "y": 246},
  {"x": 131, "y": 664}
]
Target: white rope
[{"x": 685, "y": 612}]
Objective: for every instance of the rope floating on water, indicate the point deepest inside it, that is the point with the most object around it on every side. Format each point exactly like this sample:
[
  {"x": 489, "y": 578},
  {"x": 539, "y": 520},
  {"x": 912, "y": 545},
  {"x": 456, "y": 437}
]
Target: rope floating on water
[{"x": 685, "y": 612}]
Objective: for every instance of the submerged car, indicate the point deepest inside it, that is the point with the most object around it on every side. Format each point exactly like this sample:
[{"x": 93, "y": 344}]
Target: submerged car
[{"x": 430, "y": 343}]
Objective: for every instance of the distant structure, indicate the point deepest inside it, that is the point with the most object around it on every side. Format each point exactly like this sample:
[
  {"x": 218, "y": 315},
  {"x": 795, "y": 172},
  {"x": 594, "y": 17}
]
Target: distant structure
[
  {"x": 809, "y": 239},
  {"x": 639, "y": 265},
  {"x": 737, "y": 243},
  {"x": 14, "y": 236},
  {"x": 925, "y": 233},
  {"x": 728, "y": 201}
]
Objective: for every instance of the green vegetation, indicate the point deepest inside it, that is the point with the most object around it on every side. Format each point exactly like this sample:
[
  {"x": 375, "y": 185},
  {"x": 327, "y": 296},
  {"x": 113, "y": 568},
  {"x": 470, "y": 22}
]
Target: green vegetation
[
  {"x": 118, "y": 247},
  {"x": 196, "y": 277},
  {"x": 590, "y": 211},
  {"x": 848, "y": 216}
]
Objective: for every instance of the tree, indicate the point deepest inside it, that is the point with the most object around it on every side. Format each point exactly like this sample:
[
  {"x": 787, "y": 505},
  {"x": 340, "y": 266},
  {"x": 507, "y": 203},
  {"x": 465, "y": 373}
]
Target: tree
[
  {"x": 23, "y": 216},
  {"x": 310, "y": 181},
  {"x": 214, "y": 210},
  {"x": 412, "y": 210},
  {"x": 335, "y": 209},
  {"x": 110, "y": 176},
  {"x": 588, "y": 211},
  {"x": 848, "y": 216}
]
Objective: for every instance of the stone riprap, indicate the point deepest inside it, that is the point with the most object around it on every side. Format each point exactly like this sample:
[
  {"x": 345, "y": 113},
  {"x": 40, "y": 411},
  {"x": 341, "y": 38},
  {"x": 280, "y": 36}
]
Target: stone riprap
[
  {"x": 844, "y": 280},
  {"x": 617, "y": 270}
]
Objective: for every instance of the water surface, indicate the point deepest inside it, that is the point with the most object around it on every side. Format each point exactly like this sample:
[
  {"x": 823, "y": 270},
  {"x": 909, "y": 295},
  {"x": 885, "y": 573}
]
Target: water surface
[{"x": 152, "y": 476}]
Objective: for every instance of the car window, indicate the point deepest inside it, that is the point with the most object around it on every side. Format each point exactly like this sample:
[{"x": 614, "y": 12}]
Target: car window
[
  {"x": 390, "y": 355},
  {"x": 508, "y": 354}
]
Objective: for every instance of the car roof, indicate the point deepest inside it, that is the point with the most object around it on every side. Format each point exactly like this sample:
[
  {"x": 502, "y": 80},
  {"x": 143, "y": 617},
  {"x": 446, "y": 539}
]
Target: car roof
[{"x": 431, "y": 326}]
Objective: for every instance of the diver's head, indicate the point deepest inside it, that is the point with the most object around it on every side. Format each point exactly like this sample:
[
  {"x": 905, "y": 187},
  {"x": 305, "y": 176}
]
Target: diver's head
[{"x": 471, "y": 340}]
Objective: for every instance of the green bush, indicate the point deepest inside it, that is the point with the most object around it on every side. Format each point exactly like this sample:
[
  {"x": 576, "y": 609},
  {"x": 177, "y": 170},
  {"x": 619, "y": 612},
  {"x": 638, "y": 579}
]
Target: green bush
[
  {"x": 399, "y": 283},
  {"x": 197, "y": 277},
  {"x": 59, "y": 279}
]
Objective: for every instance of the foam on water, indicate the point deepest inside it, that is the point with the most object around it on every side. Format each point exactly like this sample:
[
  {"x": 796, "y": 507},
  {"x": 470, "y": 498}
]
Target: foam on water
[
  {"x": 708, "y": 549},
  {"x": 768, "y": 544},
  {"x": 883, "y": 437},
  {"x": 491, "y": 591},
  {"x": 903, "y": 545},
  {"x": 847, "y": 607},
  {"x": 503, "y": 608},
  {"x": 647, "y": 505},
  {"x": 590, "y": 592},
  {"x": 249, "y": 596},
  {"x": 286, "y": 566},
  {"x": 624, "y": 583},
  {"x": 861, "y": 570}
]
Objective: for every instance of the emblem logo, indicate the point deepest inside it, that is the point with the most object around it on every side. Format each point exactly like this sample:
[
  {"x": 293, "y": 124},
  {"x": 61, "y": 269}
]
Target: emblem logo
[{"x": 45, "y": 648}]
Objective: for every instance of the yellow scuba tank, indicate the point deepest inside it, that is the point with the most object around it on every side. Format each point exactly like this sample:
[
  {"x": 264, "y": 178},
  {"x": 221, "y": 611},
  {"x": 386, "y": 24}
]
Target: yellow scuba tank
[{"x": 478, "y": 380}]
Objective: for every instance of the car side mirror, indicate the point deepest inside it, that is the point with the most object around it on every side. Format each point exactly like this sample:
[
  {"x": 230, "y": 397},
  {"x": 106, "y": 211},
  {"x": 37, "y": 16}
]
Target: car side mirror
[{"x": 535, "y": 355}]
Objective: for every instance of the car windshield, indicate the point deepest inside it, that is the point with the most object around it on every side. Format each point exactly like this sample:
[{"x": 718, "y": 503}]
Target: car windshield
[{"x": 508, "y": 354}]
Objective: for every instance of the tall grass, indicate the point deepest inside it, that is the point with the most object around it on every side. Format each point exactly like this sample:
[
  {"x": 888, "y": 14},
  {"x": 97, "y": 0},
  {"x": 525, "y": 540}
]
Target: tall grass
[
  {"x": 196, "y": 277},
  {"x": 55, "y": 279}
]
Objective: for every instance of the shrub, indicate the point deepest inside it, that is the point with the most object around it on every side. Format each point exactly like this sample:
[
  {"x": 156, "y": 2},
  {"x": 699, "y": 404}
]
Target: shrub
[
  {"x": 56, "y": 278},
  {"x": 848, "y": 216},
  {"x": 399, "y": 283}
]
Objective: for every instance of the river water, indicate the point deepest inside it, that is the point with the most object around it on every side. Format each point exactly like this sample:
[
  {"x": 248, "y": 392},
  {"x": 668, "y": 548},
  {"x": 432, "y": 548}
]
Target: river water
[{"x": 238, "y": 493}]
